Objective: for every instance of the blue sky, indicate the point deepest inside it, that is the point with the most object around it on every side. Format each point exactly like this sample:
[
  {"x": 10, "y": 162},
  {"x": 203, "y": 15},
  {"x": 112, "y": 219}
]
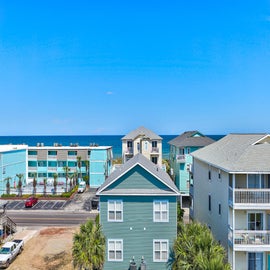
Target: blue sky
[{"x": 106, "y": 67}]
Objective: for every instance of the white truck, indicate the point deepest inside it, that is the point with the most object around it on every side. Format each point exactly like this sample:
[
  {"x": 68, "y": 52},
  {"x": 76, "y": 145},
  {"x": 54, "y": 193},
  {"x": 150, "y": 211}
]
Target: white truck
[
  {"x": 9, "y": 252},
  {"x": 82, "y": 187}
]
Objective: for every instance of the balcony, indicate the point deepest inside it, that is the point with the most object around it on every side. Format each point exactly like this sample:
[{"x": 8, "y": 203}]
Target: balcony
[
  {"x": 180, "y": 158},
  {"x": 246, "y": 240},
  {"x": 155, "y": 150},
  {"x": 249, "y": 198},
  {"x": 129, "y": 151}
]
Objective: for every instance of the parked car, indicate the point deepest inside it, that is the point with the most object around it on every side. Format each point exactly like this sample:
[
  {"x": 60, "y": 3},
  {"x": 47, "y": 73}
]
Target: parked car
[
  {"x": 9, "y": 252},
  {"x": 31, "y": 201},
  {"x": 82, "y": 187}
]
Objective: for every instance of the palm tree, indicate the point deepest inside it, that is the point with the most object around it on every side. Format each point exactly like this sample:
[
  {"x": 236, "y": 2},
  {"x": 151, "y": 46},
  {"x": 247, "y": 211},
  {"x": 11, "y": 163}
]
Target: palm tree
[
  {"x": 34, "y": 183},
  {"x": 74, "y": 177},
  {"x": 88, "y": 249},
  {"x": 20, "y": 176},
  {"x": 55, "y": 176},
  {"x": 8, "y": 184},
  {"x": 87, "y": 165},
  {"x": 79, "y": 164},
  {"x": 195, "y": 248},
  {"x": 66, "y": 170},
  {"x": 44, "y": 187}
]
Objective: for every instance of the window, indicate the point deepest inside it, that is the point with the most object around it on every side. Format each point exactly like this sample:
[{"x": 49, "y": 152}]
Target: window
[
  {"x": 154, "y": 144},
  {"x": 52, "y": 163},
  {"x": 32, "y": 153},
  {"x": 52, "y": 153},
  {"x": 72, "y": 153},
  {"x": 115, "y": 210},
  {"x": 219, "y": 174},
  {"x": 160, "y": 250},
  {"x": 4, "y": 170},
  {"x": 138, "y": 147},
  {"x": 129, "y": 144},
  {"x": 219, "y": 208},
  {"x": 209, "y": 203},
  {"x": 255, "y": 261},
  {"x": 255, "y": 221},
  {"x": 181, "y": 151},
  {"x": 42, "y": 163},
  {"x": 154, "y": 159},
  {"x": 209, "y": 172},
  {"x": 188, "y": 150},
  {"x": 115, "y": 250},
  {"x": 161, "y": 211}
]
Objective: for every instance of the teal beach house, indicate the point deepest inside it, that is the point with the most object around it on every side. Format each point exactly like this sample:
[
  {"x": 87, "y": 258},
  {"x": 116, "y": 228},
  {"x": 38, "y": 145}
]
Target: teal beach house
[
  {"x": 180, "y": 159},
  {"x": 13, "y": 161},
  {"x": 138, "y": 214}
]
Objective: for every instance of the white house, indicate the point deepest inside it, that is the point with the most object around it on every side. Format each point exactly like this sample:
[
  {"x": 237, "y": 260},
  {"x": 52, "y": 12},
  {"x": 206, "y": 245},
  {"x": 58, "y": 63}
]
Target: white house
[{"x": 231, "y": 194}]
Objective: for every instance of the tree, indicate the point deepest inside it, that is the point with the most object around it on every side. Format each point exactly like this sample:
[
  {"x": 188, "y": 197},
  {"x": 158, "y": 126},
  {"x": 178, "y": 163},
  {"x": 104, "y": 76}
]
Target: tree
[
  {"x": 20, "y": 176},
  {"x": 8, "y": 184},
  {"x": 88, "y": 249},
  {"x": 79, "y": 164},
  {"x": 34, "y": 183},
  {"x": 87, "y": 165},
  {"x": 55, "y": 176},
  {"x": 44, "y": 187},
  {"x": 66, "y": 170},
  {"x": 195, "y": 248}
]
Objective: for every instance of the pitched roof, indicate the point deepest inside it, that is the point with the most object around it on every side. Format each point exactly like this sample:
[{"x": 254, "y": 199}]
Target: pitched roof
[
  {"x": 238, "y": 153},
  {"x": 141, "y": 131},
  {"x": 189, "y": 138},
  {"x": 149, "y": 166}
]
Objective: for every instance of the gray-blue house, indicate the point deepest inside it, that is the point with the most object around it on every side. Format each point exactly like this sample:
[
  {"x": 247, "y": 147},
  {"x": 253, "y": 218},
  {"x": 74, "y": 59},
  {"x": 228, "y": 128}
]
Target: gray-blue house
[{"x": 138, "y": 214}]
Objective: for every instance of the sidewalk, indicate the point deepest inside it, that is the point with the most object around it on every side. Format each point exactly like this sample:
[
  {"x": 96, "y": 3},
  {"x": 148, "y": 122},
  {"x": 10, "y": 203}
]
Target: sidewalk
[{"x": 25, "y": 234}]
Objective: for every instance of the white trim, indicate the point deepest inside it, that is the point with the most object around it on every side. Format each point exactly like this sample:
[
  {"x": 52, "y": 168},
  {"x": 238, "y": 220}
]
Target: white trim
[
  {"x": 160, "y": 241},
  {"x": 264, "y": 137},
  {"x": 114, "y": 203},
  {"x": 130, "y": 168},
  {"x": 122, "y": 250},
  {"x": 160, "y": 211}
]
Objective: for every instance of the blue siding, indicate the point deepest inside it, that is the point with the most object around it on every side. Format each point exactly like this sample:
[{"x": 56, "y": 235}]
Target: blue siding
[
  {"x": 12, "y": 163},
  {"x": 138, "y": 178},
  {"x": 138, "y": 229}
]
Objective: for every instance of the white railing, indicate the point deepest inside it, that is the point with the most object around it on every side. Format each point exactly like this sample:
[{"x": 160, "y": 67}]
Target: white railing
[
  {"x": 249, "y": 196},
  {"x": 180, "y": 159},
  {"x": 246, "y": 237},
  {"x": 129, "y": 150},
  {"x": 155, "y": 150}
]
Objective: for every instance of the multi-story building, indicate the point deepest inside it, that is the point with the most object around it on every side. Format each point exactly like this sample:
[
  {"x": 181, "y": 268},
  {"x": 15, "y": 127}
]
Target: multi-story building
[
  {"x": 13, "y": 161},
  {"x": 180, "y": 159},
  {"x": 46, "y": 161},
  {"x": 138, "y": 214},
  {"x": 143, "y": 141},
  {"x": 231, "y": 193}
]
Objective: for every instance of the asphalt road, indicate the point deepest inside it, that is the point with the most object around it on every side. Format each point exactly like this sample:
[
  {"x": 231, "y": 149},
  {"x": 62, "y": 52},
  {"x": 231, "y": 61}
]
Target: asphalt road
[{"x": 50, "y": 218}]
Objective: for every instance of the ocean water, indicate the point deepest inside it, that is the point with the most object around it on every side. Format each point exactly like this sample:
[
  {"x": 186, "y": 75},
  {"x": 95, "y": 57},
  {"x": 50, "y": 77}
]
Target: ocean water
[{"x": 87, "y": 140}]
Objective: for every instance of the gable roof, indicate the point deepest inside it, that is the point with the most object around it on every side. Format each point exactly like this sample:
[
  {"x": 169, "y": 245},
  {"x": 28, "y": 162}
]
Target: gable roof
[
  {"x": 141, "y": 131},
  {"x": 149, "y": 166},
  {"x": 236, "y": 153},
  {"x": 189, "y": 138}
]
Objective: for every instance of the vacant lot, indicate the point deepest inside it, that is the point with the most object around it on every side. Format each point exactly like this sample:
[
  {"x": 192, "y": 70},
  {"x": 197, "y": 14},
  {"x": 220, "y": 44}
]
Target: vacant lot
[{"x": 49, "y": 249}]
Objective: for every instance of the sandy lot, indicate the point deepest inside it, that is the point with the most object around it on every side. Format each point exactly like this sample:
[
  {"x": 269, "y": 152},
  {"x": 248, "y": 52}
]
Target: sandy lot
[{"x": 49, "y": 249}]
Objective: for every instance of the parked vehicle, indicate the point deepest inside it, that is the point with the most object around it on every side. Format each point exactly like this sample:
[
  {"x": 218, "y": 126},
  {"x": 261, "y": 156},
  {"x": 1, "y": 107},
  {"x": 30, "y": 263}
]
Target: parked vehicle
[
  {"x": 9, "y": 252},
  {"x": 31, "y": 201},
  {"x": 82, "y": 187}
]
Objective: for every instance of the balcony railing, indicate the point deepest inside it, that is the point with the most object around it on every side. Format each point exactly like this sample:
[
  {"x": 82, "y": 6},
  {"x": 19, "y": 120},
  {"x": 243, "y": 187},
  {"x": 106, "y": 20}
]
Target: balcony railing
[
  {"x": 129, "y": 150},
  {"x": 247, "y": 238},
  {"x": 180, "y": 158},
  {"x": 155, "y": 150},
  {"x": 249, "y": 196}
]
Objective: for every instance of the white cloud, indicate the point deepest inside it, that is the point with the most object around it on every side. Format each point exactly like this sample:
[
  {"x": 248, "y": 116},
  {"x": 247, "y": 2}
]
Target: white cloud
[{"x": 109, "y": 93}]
